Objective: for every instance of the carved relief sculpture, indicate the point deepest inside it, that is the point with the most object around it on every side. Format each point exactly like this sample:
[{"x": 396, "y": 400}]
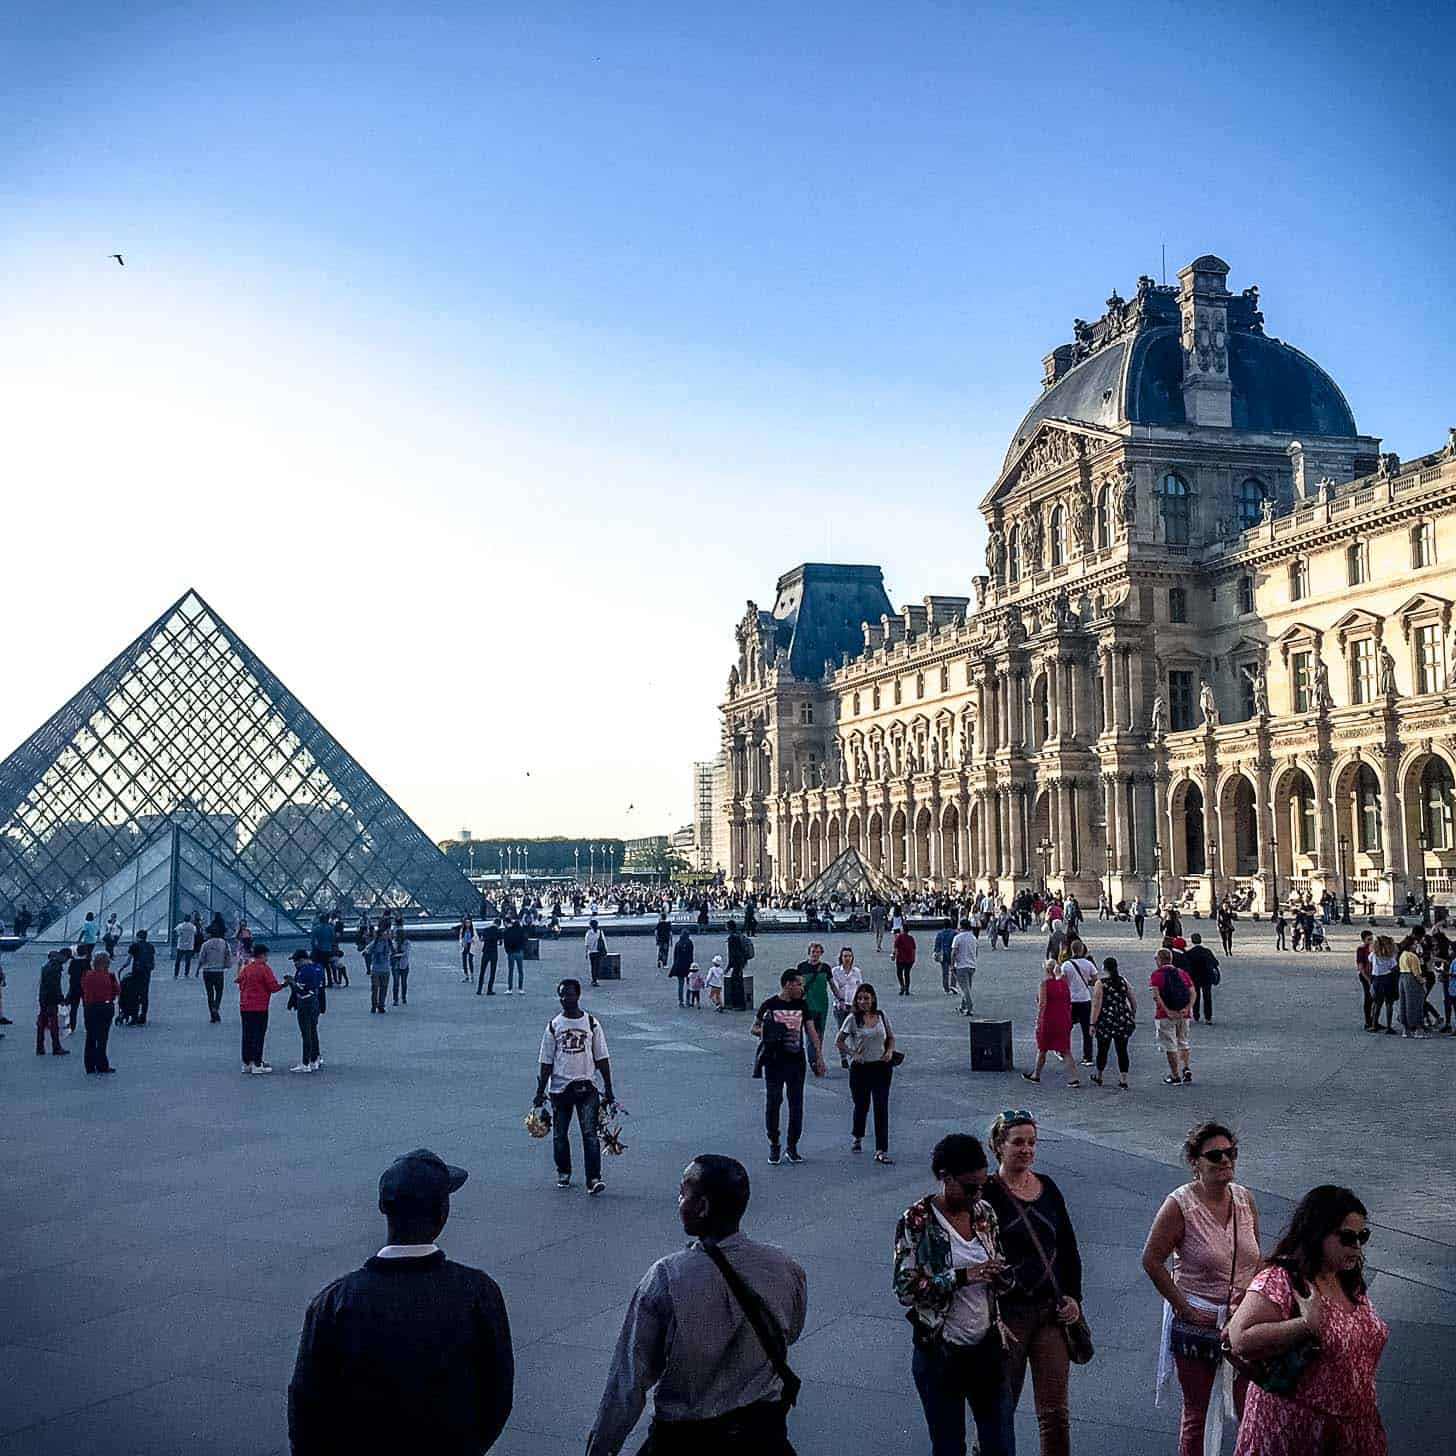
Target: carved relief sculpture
[
  {"x": 1387, "y": 672},
  {"x": 1080, "y": 510},
  {"x": 1031, "y": 539},
  {"x": 1208, "y": 704},
  {"x": 1323, "y": 698},
  {"x": 1159, "y": 725},
  {"x": 1261, "y": 692},
  {"x": 996, "y": 553}
]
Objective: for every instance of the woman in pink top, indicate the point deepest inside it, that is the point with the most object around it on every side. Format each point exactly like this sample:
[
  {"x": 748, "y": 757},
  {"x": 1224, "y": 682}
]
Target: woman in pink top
[
  {"x": 1210, "y": 1228},
  {"x": 1314, "y": 1289}
]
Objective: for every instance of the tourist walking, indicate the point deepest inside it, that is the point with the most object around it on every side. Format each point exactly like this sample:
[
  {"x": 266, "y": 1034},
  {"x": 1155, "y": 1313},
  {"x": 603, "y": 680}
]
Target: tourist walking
[
  {"x": 574, "y": 1067},
  {"x": 490, "y": 943},
  {"x": 399, "y": 968},
  {"x": 257, "y": 985},
  {"x": 1053, "y": 1023},
  {"x": 1365, "y": 975},
  {"x": 814, "y": 973},
  {"x": 467, "y": 948},
  {"x": 662, "y": 934},
  {"x": 1225, "y": 925},
  {"x": 141, "y": 961},
  {"x": 708, "y": 1331},
  {"x": 184, "y": 945},
  {"x": 321, "y": 945},
  {"x": 867, "y": 1040},
  {"x": 51, "y": 998},
  {"x": 1311, "y": 1297},
  {"x": 682, "y": 964},
  {"x": 903, "y": 948},
  {"x": 513, "y": 942},
  {"x": 99, "y": 990},
  {"x": 1172, "y": 996},
  {"x": 1044, "y": 1302},
  {"x": 1210, "y": 1229},
  {"x": 1081, "y": 976},
  {"x": 1384, "y": 983},
  {"x": 596, "y": 947},
  {"x": 944, "y": 940},
  {"x": 963, "y": 952},
  {"x": 412, "y": 1352},
  {"x": 1202, "y": 967},
  {"x": 877, "y": 924},
  {"x": 1139, "y": 915},
  {"x": 844, "y": 980},
  {"x": 948, "y": 1272},
  {"x": 714, "y": 982},
  {"x": 111, "y": 934},
  {"x": 1114, "y": 1018},
  {"x": 783, "y": 1028},
  {"x": 77, "y": 965},
  {"x": 308, "y": 1002},
  {"x": 377, "y": 956},
  {"x": 214, "y": 960},
  {"x": 740, "y": 952}
]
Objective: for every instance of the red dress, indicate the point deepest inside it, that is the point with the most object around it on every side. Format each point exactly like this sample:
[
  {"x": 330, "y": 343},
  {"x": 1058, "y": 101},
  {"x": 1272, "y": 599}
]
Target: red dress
[
  {"x": 1337, "y": 1414},
  {"x": 1054, "y": 1019}
]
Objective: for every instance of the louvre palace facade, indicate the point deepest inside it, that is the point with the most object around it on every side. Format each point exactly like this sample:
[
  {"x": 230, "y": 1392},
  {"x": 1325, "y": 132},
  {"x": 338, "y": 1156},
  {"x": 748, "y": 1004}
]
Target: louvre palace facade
[{"x": 1211, "y": 652}]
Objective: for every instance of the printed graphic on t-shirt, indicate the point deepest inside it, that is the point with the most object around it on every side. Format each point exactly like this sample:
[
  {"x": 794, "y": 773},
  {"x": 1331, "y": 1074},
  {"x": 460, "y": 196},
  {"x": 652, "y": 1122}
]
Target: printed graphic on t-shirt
[{"x": 783, "y": 1027}]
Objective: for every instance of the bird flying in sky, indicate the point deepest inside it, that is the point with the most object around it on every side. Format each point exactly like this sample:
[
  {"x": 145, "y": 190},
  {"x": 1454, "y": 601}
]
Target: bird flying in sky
[{"x": 120, "y": 262}]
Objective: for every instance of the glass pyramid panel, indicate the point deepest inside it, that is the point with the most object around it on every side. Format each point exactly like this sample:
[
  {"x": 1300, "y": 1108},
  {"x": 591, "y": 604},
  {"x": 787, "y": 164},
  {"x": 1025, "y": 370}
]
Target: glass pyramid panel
[
  {"x": 187, "y": 728},
  {"x": 171, "y": 877}
]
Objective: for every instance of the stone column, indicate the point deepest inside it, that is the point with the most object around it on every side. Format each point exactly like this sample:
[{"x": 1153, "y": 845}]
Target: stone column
[
  {"x": 1003, "y": 807},
  {"x": 963, "y": 832},
  {"x": 1136, "y": 689},
  {"x": 1018, "y": 829},
  {"x": 1264, "y": 817},
  {"x": 933, "y": 839},
  {"x": 1324, "y": 823},
  {"x": 1392, "y": 819},
  {"x": 1118, "y": 721},
  {"x": 983, "y": 737},
  {"x": 1111, "y": 827},
  {"x": 1104, "y": 686}
]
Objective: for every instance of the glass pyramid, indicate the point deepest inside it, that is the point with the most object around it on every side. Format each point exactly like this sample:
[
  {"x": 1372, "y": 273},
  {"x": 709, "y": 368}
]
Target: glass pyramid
[
  {"x": 853, "y": 879},
  {"x": 172, "y": 875},
  {"x": 187, "y": 729}
]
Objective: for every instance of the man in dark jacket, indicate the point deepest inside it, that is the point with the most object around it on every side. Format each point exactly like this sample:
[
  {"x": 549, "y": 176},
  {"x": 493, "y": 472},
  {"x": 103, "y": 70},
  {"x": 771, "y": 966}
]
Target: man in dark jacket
[
  {"x": 51, "y": 999},
  {"x": 141, "y": 957},
  {"x": 413, "y": 1351},
  {"x": 490, "y": 944},
  {"x": 1202, "y": 965},
  {"x": 739, "y": 954}
]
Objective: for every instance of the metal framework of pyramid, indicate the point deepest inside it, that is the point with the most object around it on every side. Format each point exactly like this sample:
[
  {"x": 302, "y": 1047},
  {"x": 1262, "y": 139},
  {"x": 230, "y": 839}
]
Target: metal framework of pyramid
[
  {"x": 170, "y": 877},
  {"x": 186, "y": 728},
  {"x": 851, "y": 877}
]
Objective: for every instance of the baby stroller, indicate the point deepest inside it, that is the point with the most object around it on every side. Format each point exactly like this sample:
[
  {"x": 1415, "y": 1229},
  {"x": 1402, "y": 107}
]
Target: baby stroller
[
  {"x": 1317, "y": 939},
  {"x": 129, "y": 1005}
]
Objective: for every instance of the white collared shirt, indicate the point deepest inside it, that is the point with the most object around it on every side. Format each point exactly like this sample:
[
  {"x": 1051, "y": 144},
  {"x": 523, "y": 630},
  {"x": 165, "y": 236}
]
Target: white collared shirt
[{"x": 407, "y": 1251}]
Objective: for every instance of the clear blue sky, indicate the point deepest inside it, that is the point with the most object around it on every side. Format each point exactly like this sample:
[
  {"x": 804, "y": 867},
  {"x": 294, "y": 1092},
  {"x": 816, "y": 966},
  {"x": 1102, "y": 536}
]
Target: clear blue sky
[{"x": 553, "y": 332}]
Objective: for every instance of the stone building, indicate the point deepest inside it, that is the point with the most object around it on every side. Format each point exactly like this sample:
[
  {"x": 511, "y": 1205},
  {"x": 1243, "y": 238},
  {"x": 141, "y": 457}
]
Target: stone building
[{"x": 1209, "y": 653}]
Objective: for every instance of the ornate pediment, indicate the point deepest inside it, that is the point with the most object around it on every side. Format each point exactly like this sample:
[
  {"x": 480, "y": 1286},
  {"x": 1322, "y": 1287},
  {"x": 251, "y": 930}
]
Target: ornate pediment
[
  {"x": 1422, "y": 604},
  {"x": 1358, "y": 619}
]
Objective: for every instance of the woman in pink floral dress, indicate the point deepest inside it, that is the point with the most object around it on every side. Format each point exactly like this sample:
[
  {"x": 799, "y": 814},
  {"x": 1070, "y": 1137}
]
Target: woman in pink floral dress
[{"x": 1314, "y": 1290}]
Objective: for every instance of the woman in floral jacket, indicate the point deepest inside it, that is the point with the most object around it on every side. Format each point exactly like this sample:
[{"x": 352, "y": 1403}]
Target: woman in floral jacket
[{"x": 948, "y": 1271}]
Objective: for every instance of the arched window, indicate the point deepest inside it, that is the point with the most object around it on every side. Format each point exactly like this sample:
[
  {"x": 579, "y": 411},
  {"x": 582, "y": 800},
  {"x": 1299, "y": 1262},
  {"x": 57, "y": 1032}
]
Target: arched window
[
  {"x": 1104, "y": 518},
  {"x": 1013, "y": 555},
  {"x": 1251, "y": 502},
  {"x": 1436, "y": 805},
  {"x": 1303, "y": 816},
  {"x": 1175, "y": 510},
  {"x": 1059, "y": 536},
  {"x": 1367, "y": 810}
]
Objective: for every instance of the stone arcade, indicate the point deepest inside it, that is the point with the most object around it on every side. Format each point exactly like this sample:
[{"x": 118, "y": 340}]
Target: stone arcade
[{"x": 1210, "y": 652}]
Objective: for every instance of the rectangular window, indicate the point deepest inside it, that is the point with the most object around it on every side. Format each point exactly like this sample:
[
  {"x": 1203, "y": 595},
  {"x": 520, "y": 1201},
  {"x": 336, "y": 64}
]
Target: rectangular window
[
  {"x": 945, "y": 679},
  {"x": 1362, "y": 670},
  {"x": 1355, "y": 564},
  {"x": 919, "y": 684},
  {"x": 1301, "y": 675},
  {"x": 897, "y": 690},
  {"x": 875, "y": 697},
  {"x": 856, "y": 705},
  {"x": 1298, "y": 580},
  {"x": 1177, "y": 605},
  {"x": 1180, "y": 701},
  {"x": 1423, "y": 545},
  {"x": 806, "y": 713},
  {"x": 1246, "y": 594},
  {"x": 1430, "y": 674}
]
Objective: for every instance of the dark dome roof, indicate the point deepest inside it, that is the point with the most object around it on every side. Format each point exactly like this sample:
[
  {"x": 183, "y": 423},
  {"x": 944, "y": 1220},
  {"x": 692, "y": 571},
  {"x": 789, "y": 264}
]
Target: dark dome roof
[{"x": 1139, "y": 379}]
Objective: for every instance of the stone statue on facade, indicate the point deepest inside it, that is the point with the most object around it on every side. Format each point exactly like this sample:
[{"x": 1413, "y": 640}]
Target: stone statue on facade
[
  {"x": 996, "y": 553},
  {"x": 1389, "y": 466},
  {"x": 1450, "y": 451},
  {"x": 1325, "y": 487},
  {"x": 935, "y": 755},
  {"x": 1081, "y": 513},
  {"x": 1031, "y": 539},
  {"x": 1261, "y": 692},
  {"x": 733, "y": 681},
  {"x": 1323, "y": 698},
  {"x": 1159, "y": 724},
  {"x": 1387, "y": 672},
  {"x": 1266, "y": 510},
  {"x": 1208, "y": 705},
  {"x": 978, "y": 585}
]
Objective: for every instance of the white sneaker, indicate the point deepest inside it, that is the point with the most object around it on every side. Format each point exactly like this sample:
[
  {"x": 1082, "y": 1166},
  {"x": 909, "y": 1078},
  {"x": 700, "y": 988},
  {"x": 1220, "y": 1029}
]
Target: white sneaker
[
  {"x": 247, "y": 1070},
  {"x": 318, "y": 1062},
  {"x": 262, "y": 1069},
  {"x": 302, "y": 1067}
]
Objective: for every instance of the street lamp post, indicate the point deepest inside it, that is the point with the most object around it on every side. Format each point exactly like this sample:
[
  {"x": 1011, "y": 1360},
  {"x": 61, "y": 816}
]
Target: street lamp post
[
  {"x": 1044, "y": 854},
  {"x": 528, "y": 861},
  {"x": 501, "y": 855},
  {"x": 591, "y": 862},
  {"x": 472, "y": 861},
  {"x": 1108, "y": 850},
  {"x": 576, "y": 864},
  {"x": 1274, "y": 845},
  {"x": 1344, "y": 843},
  {"x": 1423, "y": 843}
]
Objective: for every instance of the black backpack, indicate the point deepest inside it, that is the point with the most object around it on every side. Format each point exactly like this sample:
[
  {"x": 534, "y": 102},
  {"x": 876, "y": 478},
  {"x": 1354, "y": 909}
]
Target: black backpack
[{"x": 1174, "y": 990}]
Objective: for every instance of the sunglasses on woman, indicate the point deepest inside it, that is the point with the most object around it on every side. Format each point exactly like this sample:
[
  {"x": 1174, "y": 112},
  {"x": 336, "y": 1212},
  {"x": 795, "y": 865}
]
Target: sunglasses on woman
[
  {"x": 1220, "y": 1155},
  {"x": 1350, "y": 1239}
]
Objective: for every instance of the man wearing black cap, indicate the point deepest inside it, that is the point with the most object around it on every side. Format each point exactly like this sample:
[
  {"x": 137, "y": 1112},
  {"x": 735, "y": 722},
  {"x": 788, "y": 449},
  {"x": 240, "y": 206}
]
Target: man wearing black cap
[{"x": 412, "y": 1352}]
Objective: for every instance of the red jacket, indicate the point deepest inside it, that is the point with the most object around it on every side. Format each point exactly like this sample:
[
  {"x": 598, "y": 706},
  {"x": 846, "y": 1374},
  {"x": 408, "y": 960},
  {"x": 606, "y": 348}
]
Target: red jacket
[
  {"x": 256, "y": 983},
  {"x": 99, "y": 986},
  {"x": 904, "y": 948}
]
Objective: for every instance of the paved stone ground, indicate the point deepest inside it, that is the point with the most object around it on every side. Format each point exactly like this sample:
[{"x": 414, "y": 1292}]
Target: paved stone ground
[{"x": 167, "y": 1226}]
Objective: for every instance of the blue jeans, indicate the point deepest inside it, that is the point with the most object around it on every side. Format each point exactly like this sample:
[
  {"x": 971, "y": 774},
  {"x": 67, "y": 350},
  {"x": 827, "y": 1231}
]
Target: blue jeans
[
  {"x": 584, "y": 1097},
  {"x": 948, "y": 1377},
  {"x": 515, "y": 969}
]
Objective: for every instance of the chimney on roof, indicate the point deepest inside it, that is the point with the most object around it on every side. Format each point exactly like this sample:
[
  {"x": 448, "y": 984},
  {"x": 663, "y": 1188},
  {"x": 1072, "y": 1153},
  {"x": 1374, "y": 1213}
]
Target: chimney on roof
[
  {"x": 1203, "y": 304},
  {"x": 1056, "y": 364}
]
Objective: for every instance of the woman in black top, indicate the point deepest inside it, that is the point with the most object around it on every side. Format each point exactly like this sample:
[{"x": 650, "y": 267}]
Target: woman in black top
[
  {"x": 1040, "y": 1246},
  {"x": 682, "y": 963}
]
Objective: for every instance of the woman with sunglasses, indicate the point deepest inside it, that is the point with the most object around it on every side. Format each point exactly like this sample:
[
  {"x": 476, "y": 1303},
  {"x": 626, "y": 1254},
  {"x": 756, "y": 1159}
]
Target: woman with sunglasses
[
  {"x": 1210, "y": 1228},
  {"x": 949, "y": 1270},
  {"x": 1041, "y": 1248},
  {"x": 1314, "y": 1290}
]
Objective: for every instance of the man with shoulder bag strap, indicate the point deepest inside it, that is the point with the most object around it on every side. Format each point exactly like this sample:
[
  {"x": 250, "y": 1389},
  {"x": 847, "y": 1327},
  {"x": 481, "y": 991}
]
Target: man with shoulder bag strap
[{"x": 708, "y": 1331}]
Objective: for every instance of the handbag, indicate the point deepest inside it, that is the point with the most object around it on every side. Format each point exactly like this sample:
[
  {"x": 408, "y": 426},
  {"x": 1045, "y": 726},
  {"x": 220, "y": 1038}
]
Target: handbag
[
  {"x": 769, "y": 1335},
  {"x": 1280, "y": 1374},
  {"x": 1205, "y": 1342},
  {"x": 1078, "y": 1334}
]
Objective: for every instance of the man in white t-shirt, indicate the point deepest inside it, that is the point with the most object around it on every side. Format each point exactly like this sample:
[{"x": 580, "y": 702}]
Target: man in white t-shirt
[
  {"x": 184, "y": 944},
  {"x": 573, "y": 1055},
  {"x": 1081, "y": 977},
  {"x": 963, "y": 950}
]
